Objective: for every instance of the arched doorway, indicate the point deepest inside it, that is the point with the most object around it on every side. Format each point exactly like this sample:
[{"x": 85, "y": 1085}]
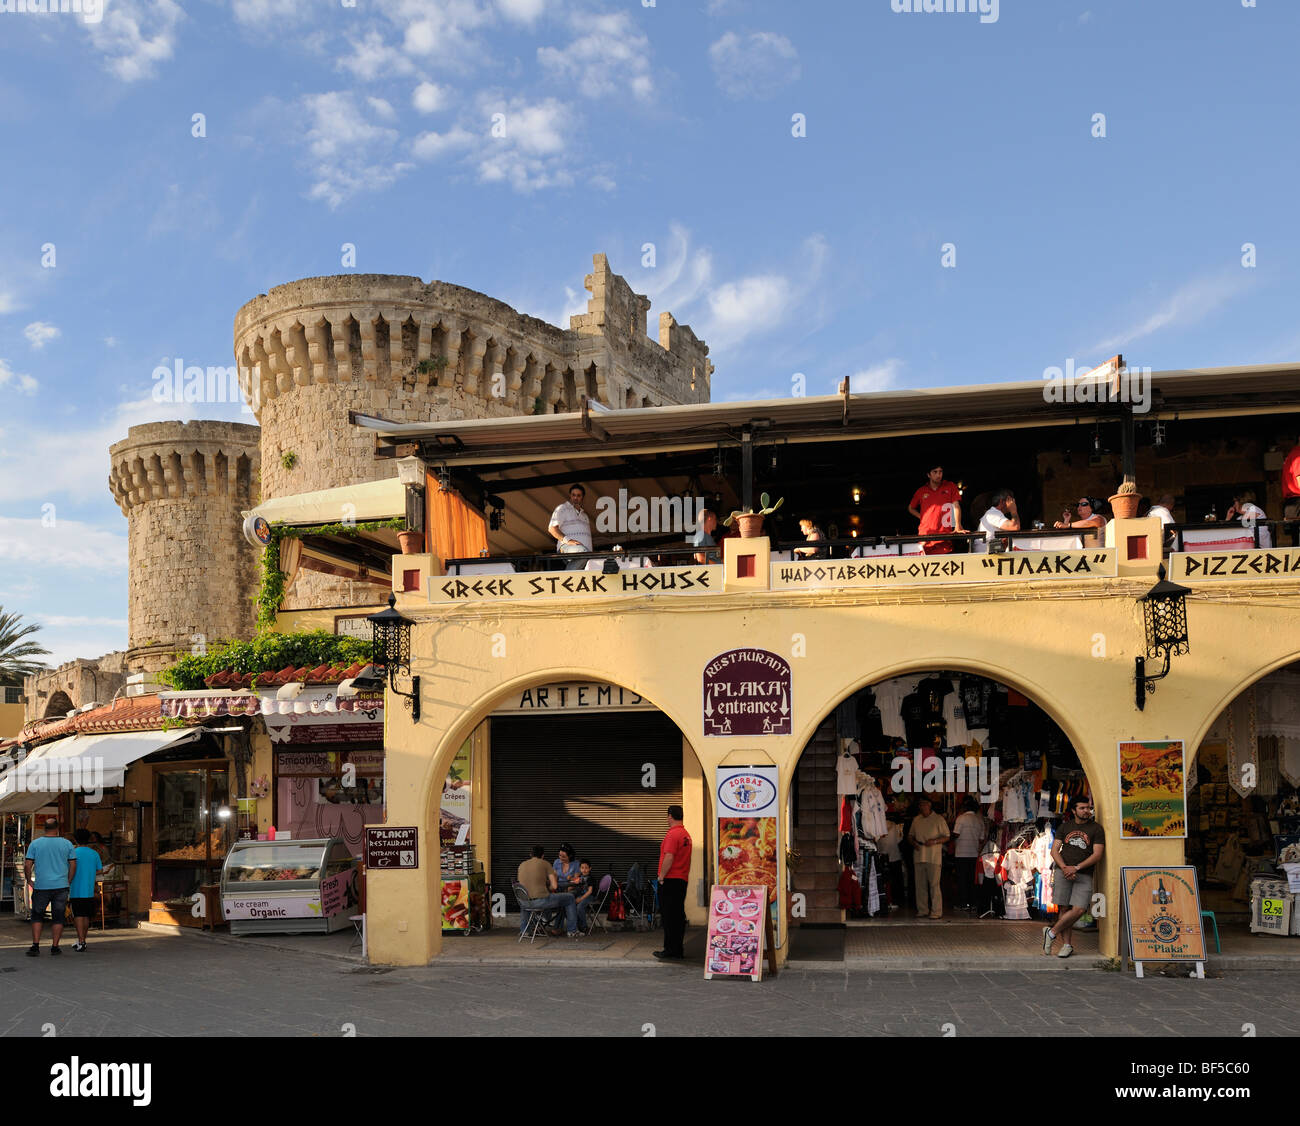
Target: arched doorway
[
  {"x": 997, "y": 771},
  {"x": 59, "y": 706}
]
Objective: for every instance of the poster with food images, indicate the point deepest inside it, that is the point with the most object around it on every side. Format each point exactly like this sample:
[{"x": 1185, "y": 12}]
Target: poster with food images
[
  {"x": 748, "y": 828},
  {"x": 736, "y": 931},
  {"x": 1153, "y": 788},
  {"x": 454, "y": 823}
]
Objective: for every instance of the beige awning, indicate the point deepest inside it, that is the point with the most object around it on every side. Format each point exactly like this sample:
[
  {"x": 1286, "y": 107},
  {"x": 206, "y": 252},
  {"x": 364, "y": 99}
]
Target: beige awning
[{"x": 375, "y": 500}]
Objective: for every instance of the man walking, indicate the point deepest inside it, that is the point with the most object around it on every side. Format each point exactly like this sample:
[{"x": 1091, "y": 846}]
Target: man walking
[
  {"x": 540, "y": 882},
  {"x": 49, "y": 869},
  {"x": 81, "y": 890},
  {"x": 674, "y": 870},
  {"x": 1076, "y": 850},
  {"x": 928, "y": 833}
]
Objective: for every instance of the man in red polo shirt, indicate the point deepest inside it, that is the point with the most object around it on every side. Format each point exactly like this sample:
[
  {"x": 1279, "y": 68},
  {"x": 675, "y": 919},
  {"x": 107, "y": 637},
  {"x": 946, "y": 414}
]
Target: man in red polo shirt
[
  {"x": 937, "y": 505},
  {"x": 674, "y": 869}
]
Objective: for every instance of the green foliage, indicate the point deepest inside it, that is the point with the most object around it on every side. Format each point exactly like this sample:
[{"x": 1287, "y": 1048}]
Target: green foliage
[
  {"x": 17, "y": 657},
  {"x": 766, "y": 508},
  {"x": 288, "y": 459},
  {"x": 267, "y": 652},
  {"x": 428, "y": 367}
]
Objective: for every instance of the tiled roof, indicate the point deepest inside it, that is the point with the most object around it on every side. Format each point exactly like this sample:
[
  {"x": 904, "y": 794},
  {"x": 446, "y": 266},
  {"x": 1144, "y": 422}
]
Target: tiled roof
[
  {"x": 321, "y": 674},
  {"x": 130, "y": 713}
]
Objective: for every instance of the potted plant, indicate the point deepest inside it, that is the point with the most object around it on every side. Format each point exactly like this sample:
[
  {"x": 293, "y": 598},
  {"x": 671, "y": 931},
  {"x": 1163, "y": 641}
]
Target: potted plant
[
  {"x": 1124, "y": 504},
  {"x": 412, "y": 542},
  {"x": 750, "y": 522}
]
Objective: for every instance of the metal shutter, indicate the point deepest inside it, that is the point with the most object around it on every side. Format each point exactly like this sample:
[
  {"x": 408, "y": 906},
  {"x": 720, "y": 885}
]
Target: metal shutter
[{"x": 578, "y": 779}]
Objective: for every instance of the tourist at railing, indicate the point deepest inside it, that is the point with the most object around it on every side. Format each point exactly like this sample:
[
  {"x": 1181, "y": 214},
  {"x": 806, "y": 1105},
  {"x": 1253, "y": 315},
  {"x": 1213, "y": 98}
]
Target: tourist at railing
[
  {"x": 704, "y": 535},
  {"x": 1250, "y": 515},
  {"x": 937, "y": 506},
  {"x": 1002, "y": 516},
  {"x": 570, "y": 525},
  {"x": 813, "y": 534},
  {"x": 1089, "y": 517},
  {"x": 1164, "y": 509}
]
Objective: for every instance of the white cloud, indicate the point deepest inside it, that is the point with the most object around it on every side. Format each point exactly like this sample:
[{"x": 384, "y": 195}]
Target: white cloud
[
  {"x": 431, "y": 145},
  {"x": 440, "y": 30},
  {"x": 382, "y": 108},
  {"x": 349, "y": 150},
  {"x": 67, "y": 543},
  {"x": 136, "y": 35},
  {"x": 40, "y": 333},
  {"x": 429, "y": 97},
  {"x": 741, "y": 308},
  {"x": 63, "y": 621},
  {"x": 1187, "y": 305},
  {"x": 521, "y": 11},
  {"x": 110, "y": 342},
  {"x": 756, "y": 66},
  {"x": 1084, "y": 17},
  {"x": 877, "y": 377},
  {"x": 609, "y": 54},
  {"x": 530, "y": 152},
  {"x": 262, "y": 12},
  {"x": 8, "y": 303},
  {"x": 371, "y": 57},
  {"x": 24, "y": 384}
]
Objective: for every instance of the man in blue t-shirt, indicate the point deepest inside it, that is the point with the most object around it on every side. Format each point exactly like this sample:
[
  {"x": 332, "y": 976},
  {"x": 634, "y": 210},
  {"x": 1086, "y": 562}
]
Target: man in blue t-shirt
[
  {"x": 82, "y": 889},
  {"x": 49, "y": 868}
]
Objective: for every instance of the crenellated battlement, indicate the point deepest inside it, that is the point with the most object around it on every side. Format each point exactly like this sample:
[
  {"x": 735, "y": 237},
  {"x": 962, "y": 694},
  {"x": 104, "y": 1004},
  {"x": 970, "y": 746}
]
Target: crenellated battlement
[{"x": 175, "y": 460}]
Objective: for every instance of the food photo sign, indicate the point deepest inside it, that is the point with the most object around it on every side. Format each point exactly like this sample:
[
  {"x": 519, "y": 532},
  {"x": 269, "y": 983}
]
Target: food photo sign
[
  {"x": 748, "y": 827},
  {"x": 740, "y": 932},
  {"x": 1153, "y": 788}
]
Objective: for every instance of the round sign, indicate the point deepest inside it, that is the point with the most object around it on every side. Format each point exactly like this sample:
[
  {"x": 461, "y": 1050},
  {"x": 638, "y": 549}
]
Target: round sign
[
  {"x": 257, "y": 530},
  {"x": 746, "y": 793}
]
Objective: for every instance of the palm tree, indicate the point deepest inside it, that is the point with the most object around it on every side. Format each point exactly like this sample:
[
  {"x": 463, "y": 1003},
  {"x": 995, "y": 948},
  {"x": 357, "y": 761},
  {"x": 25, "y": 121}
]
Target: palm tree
[{"x": 17, "y": 657}]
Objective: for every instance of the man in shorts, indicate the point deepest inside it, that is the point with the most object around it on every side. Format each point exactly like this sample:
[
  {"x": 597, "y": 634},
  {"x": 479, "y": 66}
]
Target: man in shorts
[
  {"x": 49, "y": 868},
  {"x": 1077, "y": 851},
  {"x": 81, "y": 891}
]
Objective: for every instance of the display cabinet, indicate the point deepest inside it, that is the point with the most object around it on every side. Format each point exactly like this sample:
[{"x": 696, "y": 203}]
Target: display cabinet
[{"x": 289, "y": 886}]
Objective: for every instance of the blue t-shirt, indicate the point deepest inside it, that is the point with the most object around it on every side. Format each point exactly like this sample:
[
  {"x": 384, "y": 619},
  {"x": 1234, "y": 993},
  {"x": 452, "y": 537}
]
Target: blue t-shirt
[
  {"x": 702, "y": 538},
  {"x": 49, "y": 857},
  {"x": 88, "y": 864}
]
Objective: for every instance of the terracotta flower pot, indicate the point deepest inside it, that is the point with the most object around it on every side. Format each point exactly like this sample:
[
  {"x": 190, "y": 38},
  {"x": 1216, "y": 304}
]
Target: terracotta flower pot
[
  {"x": 750, "y": 525},
  {"x": 412, "y": 542},
  {"x": 1124, "y": 505}
]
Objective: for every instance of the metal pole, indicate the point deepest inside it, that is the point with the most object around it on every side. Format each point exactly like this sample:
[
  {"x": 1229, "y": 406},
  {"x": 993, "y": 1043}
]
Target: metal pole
[
  {"x": 747, "y": 470},
  {"x": 1128, "y": 439}
]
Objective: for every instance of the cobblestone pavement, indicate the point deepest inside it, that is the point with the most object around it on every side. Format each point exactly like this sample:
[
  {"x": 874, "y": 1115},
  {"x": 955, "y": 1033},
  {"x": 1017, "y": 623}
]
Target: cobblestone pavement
[{"x": 137, "y": 984}]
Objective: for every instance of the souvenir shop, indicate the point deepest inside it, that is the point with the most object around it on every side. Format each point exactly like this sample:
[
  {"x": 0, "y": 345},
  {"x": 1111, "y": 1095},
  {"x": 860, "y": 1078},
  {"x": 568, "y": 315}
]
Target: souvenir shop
[{"x": 992, "y": 763}]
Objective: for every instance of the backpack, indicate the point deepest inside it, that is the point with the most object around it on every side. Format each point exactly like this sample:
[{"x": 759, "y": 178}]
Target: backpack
[{"x": 616, "y": 910}]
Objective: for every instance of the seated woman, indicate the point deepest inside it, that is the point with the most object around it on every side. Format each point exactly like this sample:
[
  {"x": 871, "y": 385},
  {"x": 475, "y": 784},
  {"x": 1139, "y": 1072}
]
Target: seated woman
[
  {"x": 1245, "y": 510},
  {"x": 812, "y": 534},
  {"x": 567, "y": 869},
  {"x": 1089, "y": 517}
]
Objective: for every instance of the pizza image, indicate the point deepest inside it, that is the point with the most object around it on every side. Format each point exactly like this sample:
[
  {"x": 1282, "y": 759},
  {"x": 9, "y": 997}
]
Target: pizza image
[{"x": 747, "y": 851}]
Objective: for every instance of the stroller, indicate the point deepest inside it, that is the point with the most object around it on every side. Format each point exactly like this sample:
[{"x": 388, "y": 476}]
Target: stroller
[{"x": 641, "y": 898}]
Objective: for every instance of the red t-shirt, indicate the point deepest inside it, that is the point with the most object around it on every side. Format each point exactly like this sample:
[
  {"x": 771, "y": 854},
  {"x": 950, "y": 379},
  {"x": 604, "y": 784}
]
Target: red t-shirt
[
  {"x": 936, "y": 507},
  {"x": 677, "y": 841},
  {"x": 1291, "y": 474}
]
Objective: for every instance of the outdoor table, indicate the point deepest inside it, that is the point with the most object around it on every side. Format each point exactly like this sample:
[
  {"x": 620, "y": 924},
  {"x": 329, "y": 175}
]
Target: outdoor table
[
  {"x": 485, "y": 569},
  {"x": 1231, "y": 537}
]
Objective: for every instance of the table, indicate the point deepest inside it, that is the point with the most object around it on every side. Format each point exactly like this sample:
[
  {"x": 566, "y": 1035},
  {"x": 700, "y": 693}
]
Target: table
[
  {"x": 1047, "y": 543},
  {"x": 1230, "y": 538},
  {"x": 485, "y": 569}
]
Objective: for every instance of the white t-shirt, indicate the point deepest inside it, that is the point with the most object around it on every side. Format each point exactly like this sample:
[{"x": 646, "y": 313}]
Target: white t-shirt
[
  {"x": 993, "y": 521},
  {"x": 1252, "y": 514},
  {"x": 573, "y": 524},
  {"x": 969, "y": 831},
  {"x": 889, "y": 699},
  {"x": 1166, "y": 517},
  {"x": 955, "y": 717},
  {"x": 846, "y": 775}
]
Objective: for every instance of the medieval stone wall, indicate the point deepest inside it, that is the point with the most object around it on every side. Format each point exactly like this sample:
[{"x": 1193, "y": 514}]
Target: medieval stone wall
[
  {"x": 183, "y": 487},
  {"x": 52, "y": 693}
]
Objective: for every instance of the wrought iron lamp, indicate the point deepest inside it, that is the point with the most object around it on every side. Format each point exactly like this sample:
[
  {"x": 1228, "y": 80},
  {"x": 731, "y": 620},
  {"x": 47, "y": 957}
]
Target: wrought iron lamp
[
  {"x": 1164, "y": 610},
  {"x": 392, "y": 652}
]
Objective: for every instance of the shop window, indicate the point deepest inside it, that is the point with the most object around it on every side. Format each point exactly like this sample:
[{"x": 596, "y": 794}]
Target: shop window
[
  {"x": 13, "y": 694},
  {"x": 190, "y": 838}
]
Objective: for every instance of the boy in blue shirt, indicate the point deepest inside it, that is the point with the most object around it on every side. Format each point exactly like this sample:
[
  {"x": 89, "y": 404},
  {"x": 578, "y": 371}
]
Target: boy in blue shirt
[
  {"x": 82, "y": 889},
  {"x": 49, "y": 868}
]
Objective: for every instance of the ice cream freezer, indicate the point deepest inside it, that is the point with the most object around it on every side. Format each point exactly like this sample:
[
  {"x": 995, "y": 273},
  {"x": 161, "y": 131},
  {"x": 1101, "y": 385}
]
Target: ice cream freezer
[{"x": 289, "y": 886}]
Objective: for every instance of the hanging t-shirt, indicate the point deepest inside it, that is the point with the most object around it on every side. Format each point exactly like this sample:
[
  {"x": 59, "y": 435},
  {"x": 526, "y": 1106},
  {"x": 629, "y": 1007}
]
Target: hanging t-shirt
[
  {"x": 872, "y": 803},
  {"x": 846, "y": 775},
  {"x": 975, "y": 693},
  {"x": 955, "y": 717},
  {"x": 889, "y": 698}
]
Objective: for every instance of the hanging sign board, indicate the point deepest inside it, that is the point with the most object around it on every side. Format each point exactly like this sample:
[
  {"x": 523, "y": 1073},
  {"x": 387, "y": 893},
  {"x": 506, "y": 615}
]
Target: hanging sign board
[
  {"x": 1162, "y": 912},
  {"x": 740, "y": 932},
  {"x": 747, "y": 692}
]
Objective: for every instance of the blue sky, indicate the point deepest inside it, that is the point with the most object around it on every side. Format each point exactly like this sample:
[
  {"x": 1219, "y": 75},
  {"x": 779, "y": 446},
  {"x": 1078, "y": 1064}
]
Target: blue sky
[{"x": 626, "y": 124}]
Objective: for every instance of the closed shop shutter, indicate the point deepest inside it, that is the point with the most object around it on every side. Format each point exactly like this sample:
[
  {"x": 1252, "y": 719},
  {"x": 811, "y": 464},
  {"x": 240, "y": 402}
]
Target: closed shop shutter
[{"x": 578, "y": 779}]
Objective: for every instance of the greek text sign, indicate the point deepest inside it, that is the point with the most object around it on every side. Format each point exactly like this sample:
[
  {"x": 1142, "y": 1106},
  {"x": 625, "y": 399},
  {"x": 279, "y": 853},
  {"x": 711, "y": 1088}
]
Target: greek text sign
[
  {"x": 388, "y": 847},
  {"x": 747, "y": 692},
  {"x": 933, "y": 570},
  {"x": 576, "y": 584},
  {"x": 1274, "y": 563}
]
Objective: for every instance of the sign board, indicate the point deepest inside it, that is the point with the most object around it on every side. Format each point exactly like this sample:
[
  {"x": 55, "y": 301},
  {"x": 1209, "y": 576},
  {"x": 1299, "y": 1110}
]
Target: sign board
[
  {"x": 573, "y": 696},
  {"x": 740, "y": 932},
  {"x": 747, "y": 692},
  {"x": 1152, "y": 788},
  {"x": 354, "y": 625},
  {"x": 749, "y": 828},
  {"x": 901, "y": 570},
  {"x": 388, "y": 847},
  {"x": 576, "y": 584},
  {"x": 1162, "y": 910},
  {"x": 1224, "y": 566},
  {"x": 282, "y": 905},
  {"x": 455, "y": 807}
]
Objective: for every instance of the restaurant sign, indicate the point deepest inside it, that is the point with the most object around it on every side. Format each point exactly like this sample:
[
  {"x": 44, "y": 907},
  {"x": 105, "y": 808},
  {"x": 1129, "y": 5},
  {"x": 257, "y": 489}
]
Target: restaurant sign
[
  {"x": 1162, "y": 909},
  {"x": 573, "y": 696},
  {"x": 1253, "y": 563},
  {"x": 392, "y": 847},
  {"x": 575, "y": 584},
  {"x": 938, "y": 570},
  {"x": 747, "y": 692}
]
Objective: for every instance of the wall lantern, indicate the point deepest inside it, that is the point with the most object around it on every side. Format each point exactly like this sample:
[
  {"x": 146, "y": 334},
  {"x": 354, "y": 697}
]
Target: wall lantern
[
  {"x": 1164, "y": 609},
  {"x": 392, "y": 652}
]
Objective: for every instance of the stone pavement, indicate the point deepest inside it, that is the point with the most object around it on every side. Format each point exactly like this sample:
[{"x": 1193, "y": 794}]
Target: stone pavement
[{"x": 137, "y": 983}]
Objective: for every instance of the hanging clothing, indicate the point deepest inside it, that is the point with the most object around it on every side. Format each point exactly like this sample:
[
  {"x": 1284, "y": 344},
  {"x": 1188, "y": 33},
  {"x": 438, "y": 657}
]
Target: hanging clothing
[
  {"x": 850, "y": 890},
  {"x": 1018, "y": 867},
  {"x": 954, "y": 715},
  {"x": 846, "y": 775},
  {"x": 872, "y": 803},
  {"x": 1018, "y": 799},
  {"x": 889, "y": 699}
]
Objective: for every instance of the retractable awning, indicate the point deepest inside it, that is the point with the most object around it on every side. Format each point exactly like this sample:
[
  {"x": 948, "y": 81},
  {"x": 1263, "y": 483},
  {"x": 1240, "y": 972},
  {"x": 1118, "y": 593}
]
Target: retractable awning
[
  {"x": 374, "y": 500},
  {"x": 81, "y": 762}
]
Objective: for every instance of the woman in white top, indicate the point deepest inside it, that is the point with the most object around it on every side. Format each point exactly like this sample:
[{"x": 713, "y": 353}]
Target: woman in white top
[
  {"x": 1250, "y": 514},
  {"x": 1089, "y": 517}
]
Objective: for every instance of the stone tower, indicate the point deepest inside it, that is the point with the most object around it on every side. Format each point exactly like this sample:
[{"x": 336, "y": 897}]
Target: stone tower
[
  {"x": 409, "y": 351},
  {"x": 182, "y": 487}
]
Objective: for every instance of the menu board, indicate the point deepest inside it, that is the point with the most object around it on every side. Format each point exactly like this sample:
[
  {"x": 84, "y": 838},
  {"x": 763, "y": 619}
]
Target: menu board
[
  {"x": 738, "y": 925},
  {"x": 1163, "y": 911}
]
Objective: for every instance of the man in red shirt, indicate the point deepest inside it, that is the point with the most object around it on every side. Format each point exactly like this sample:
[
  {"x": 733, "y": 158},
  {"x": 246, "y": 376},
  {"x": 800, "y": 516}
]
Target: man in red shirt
[
  {"x": 674, "y": 869},
  {"x": 937, "y": 505}
]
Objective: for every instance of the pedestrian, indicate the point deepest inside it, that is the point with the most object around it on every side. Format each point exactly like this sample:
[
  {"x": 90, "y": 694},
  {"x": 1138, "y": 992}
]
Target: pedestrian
[
  {"x": 928, "y": 832},
  {"x": 81, "y": 891},
  {"x": 49, "y": 868},
  {"x": 1076, "y": 850},
  {"x": 674, "y": 869},
  {"x": 970, "y": 830},
  {"x": 937, "y": 505}
]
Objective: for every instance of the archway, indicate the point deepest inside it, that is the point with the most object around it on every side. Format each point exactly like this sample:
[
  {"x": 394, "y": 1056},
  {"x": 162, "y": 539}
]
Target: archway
[{"x": 59, "y": 706}]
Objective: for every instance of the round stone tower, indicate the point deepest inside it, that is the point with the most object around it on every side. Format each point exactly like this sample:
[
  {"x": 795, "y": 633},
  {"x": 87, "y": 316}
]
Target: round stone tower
[
  {"x": 183, "y": 487},
  {"x": 311, "y": 351}
]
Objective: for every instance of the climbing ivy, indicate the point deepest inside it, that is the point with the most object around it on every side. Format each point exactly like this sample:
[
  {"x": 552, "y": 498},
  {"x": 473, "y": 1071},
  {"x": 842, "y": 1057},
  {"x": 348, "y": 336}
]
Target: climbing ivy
[{"x": 267, "y": 652}]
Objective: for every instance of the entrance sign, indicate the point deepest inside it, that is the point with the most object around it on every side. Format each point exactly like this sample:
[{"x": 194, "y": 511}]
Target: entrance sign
[
  {"x": 1218, "y": 566},
  {"x": 906, "y": 570},
  {"x": 740, "y": 932},
  {"x": 576, "y": 584},
  {"x": 1162, "y": 911},
  {"x": 747, "y": 692},
  {"x": 749, "y": 828},
  {"x": 389, "y": 848},
  {"x": 1153, "y": 789}
]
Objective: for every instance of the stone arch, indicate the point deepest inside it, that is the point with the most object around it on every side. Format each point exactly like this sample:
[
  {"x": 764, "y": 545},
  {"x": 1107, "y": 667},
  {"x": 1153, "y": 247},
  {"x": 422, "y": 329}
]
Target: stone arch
[{"x": 59, "y": 706}]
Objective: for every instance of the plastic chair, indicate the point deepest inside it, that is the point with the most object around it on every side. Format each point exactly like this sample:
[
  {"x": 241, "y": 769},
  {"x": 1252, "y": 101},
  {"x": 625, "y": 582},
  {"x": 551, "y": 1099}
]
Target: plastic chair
[
  {"x": 603, "y": 891},
  {"x": 1215, "y": 924},
  {"x": 537, "y": 919}
]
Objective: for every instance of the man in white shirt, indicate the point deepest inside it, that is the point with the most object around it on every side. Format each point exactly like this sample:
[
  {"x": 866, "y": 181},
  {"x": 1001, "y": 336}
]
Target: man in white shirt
[
  {"x": 1163, "y": 508},
  {"x": 970, "y": 831},
  {"x": 570, "y": 525},
  {"x": 1001, "y": 516}
]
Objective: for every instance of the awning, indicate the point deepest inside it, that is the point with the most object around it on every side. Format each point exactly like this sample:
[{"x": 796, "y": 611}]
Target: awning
[
  {"x": 81, "y": 762},
  {"x": 375, "y": 500}
]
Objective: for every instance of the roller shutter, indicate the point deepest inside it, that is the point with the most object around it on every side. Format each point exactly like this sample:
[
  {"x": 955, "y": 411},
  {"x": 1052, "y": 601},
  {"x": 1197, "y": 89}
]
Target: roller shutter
[{"x": 578, "y": 779}]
